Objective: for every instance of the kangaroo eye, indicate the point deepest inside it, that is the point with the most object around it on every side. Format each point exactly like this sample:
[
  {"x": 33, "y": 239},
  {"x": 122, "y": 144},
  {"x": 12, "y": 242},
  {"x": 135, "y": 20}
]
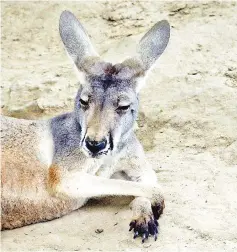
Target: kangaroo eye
[
  {"x": 84, "y": 103},
  {"x": 123, "y": 108}
]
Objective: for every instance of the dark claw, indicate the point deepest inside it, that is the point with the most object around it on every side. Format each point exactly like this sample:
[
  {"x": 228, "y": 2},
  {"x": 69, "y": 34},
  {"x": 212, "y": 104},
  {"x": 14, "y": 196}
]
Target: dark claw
[
  {"x": 132, "y": 225},
  {"x": 143, "y": 238},
  {"x": 135, "y": 235},
  {"x": 144, "y": 228},
  {"x": 152, "y": 227},
  {"x": 155, "y": 236}
]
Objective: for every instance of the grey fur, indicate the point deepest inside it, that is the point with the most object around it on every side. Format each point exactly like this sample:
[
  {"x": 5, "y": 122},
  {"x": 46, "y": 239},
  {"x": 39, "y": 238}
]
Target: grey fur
[
  {"x": 74, "y": 37},
  {"x": 153, "y": 43},
  {"x": 66, "y": 133}
]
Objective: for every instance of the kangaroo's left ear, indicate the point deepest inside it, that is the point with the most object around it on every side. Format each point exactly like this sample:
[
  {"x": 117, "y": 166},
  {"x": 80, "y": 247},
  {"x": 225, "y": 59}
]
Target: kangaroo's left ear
[
  {"x": 153, "y": 43},
  {"x": 150, "y": 47}
]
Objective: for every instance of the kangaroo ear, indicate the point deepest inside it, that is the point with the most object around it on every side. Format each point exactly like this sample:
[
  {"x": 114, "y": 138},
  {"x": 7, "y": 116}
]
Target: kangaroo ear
[
  {"x": 153, "y": 43},
  {"x": 75, "y": 39},
  {"x": 150, "y": 47}
]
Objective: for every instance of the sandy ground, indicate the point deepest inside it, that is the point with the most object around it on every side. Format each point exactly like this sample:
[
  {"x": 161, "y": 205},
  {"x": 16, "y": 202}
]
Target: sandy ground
[{"x": 187, "y": 123}]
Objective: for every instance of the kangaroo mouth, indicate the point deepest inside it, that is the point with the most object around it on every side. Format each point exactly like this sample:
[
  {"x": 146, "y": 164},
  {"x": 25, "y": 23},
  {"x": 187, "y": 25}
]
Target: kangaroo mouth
[{"x": 111, "y": 143}]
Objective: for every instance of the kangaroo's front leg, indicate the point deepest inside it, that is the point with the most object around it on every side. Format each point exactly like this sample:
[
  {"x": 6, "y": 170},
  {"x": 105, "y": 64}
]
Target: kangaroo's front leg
[
  {"x": 146, "y": 211},
  {"x": 75, "y": 184}
]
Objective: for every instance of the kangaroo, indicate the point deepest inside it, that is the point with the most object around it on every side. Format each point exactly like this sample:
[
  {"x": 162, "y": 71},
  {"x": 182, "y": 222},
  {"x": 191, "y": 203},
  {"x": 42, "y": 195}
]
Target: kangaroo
[{"x": 52, "y": 167}]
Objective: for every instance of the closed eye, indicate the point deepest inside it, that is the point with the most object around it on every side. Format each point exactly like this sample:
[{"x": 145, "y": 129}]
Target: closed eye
[
  {"x": 84, "y": 103},
  {"x": 123, "y": 108}
]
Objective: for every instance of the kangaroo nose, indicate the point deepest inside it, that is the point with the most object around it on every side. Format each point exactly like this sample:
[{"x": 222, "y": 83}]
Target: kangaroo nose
[{"x": 95, "y": 146}]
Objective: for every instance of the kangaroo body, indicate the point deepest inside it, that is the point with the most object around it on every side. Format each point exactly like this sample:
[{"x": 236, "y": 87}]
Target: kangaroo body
[
  {"x": 51, "y": 167},
  {"x": 26, "y": 150}
]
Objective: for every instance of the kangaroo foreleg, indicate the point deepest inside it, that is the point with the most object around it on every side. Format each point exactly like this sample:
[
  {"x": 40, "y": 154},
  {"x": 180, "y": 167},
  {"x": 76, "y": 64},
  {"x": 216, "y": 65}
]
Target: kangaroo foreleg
[
  {"x": 77, "y": 184},
  {"x": 146, "y": 211}
]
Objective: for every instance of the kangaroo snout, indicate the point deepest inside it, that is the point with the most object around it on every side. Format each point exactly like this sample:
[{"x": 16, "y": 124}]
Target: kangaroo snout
[{"x": 95, "y": 146}]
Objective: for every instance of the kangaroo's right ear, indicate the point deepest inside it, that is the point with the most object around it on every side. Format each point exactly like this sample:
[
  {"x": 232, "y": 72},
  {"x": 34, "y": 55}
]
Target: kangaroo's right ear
[{"x": 76, "y": 41}]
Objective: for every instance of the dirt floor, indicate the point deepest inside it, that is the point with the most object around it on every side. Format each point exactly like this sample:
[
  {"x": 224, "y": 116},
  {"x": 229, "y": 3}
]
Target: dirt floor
[{"x": 187, "y": 122}]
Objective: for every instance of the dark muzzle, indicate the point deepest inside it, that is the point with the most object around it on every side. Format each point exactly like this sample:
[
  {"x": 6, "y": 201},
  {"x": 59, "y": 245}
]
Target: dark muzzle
[{"x": 95, "y": 146}]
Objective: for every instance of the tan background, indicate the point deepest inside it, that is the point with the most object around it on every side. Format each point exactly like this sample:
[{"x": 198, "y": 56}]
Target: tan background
[{"x": 187, "y": 123}]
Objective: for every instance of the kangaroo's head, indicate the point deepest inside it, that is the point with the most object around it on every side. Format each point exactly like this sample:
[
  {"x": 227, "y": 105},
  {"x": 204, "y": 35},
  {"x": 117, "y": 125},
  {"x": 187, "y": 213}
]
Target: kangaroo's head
[{"x": 106, "y": 105}]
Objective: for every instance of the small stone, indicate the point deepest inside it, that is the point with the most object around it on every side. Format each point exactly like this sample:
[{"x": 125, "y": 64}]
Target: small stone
[{"x": 99, "y": 230}]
